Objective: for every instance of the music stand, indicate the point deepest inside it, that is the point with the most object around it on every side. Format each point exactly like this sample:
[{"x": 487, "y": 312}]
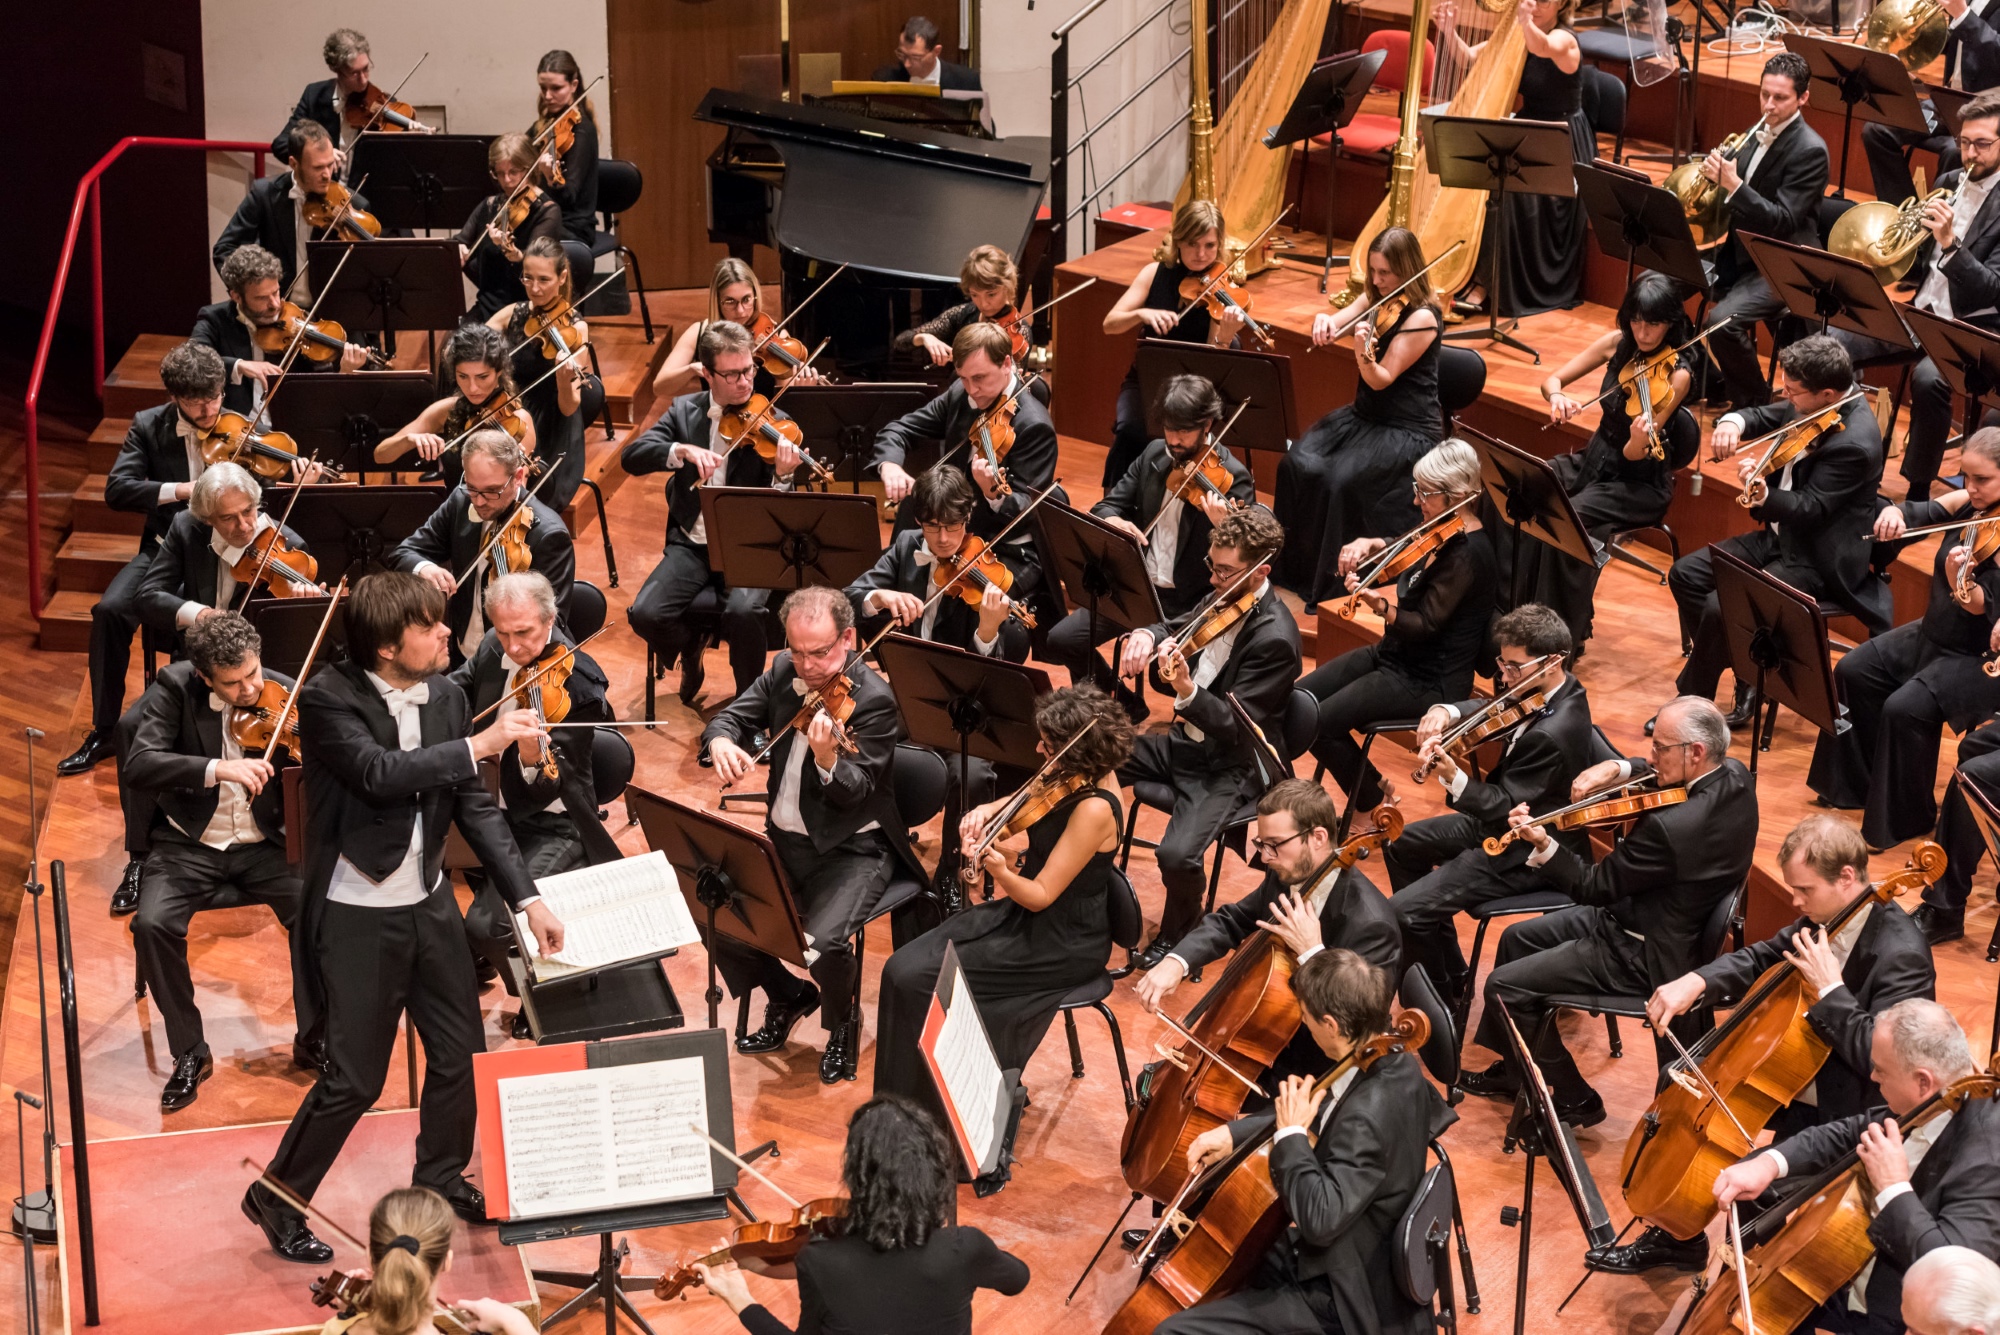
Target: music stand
[
  {"x": 287, "y": 627},
  {"x": 391, "y": 283},
  {"x": 1640, "y": 223},
  {"x": 1324, "y": 104},
  {"x": 789, "y": 539},
  {"x": 1101, "y": 569},
  {"x": 732, "y": 878},
  {"x": 1873, "y": 84},
  {"x": 1965, "y": 355},
  {"x": 422, "y": 182},
  {"x": 1828, "y": 289},
  {"x": 361, "y": 523},
  {"x": 340, "y": 419},
  {"x": 1949, "y": 105},
  {"x": 1777, "y": 642},
  {"x": 1502, "y": 157},
  {"x": 1240, "y": 375},
  {"x": 1540, "y": 1132},
  {"x": 1524, "y": 491},
  {"x": 850, "y": 417}
]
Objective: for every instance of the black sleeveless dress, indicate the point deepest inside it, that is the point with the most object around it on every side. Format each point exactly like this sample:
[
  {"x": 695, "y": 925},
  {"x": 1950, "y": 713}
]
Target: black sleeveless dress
[
  {"x": 1545, "y": 235},
  {"x": 1348, "y": 477},
  {"x": 558, "y": 438},
  {"x": 1129, "y": 432},
  {"x": 1019, "y": 963}
]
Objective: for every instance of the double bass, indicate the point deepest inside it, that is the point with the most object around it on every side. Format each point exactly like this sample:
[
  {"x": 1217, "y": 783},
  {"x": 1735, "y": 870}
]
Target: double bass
[{"x": 1757, "y": 1061}]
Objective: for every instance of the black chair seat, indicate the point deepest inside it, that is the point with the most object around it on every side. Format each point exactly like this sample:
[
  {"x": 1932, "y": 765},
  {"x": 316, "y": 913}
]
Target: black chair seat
[
  {"x": 1087, "y": 994},
  {"x": 1156, "y": 795},
  {"x": 1600, "y": 1003},
  {"x": 1611, "y": 44},
  {"x": 901, "y": 890},
  {"x": 1534, "y": 901}
]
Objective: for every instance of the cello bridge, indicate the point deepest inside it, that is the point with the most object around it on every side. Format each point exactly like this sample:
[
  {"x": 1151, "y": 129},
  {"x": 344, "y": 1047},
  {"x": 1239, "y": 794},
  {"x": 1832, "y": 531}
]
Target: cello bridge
[
  {"x": 1178, "y": 1224},
  {"x": 1171, "y": 1056}
]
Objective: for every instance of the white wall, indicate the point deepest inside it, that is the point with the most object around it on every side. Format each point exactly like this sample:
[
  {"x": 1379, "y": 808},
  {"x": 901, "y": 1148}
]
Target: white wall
[{"x": 257, "y": 56}]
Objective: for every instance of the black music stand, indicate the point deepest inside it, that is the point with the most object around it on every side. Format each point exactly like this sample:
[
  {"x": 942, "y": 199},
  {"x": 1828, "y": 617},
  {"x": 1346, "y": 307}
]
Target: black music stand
[
  {"x": 1640, "y": 223},
  {"x": 340, "y": 419},
  {"x": 391, "y": 283},
  {"x": 1524, "y": 492},
  {"x": 1965, "y": 355},
  {"x": 422, "y": 182},
  {"x": 732, "y": 878},
  {"x": 287, "y": 627},
  {"x": 1539, "y": 1132},
  {"x": 789, "y": 539},
  {"x": 1871, "y": 84},
  {"x": 1949, "y": 106},
  {"x": 1828, "y": 289},
  {"x": 1240, "y": 375},
  {"x": 1325, "y": 103},
  {"x": 1502, "y": 157},
  {"x": 1101, "y": 569},
  {"x": 849, "y": 417},
  {"x": 363, "y": 524},
  {"x": 1778, "y": 644}
]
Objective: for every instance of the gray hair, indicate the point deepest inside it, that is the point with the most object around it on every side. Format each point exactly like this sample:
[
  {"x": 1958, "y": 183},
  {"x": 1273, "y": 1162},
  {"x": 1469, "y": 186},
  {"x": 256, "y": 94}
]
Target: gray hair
[
  {"x": 1452, "y": 467},
  {"x": 217, "y": 481},
  {"x": 1952, "y": 1290},
  {"x": 1927, "y": 1038},
  {"x": 529, "y": 587},
  {"x": 1703, "y": 723},
  {"x": 496, "y": 445},
  {"x": 341, "y": 47}
]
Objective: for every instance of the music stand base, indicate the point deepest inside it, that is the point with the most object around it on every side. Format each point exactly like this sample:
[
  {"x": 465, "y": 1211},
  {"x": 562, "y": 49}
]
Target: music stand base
[
  {"x": 35, "y": 1214},
  {"x": 1497, "y": 332},
  {"x": 602, "y": 1285}
]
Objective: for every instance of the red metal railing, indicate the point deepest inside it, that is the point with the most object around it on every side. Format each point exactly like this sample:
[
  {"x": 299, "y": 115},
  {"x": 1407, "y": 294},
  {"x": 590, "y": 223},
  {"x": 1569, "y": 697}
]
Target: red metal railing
[{"x": 87, "y": 198}]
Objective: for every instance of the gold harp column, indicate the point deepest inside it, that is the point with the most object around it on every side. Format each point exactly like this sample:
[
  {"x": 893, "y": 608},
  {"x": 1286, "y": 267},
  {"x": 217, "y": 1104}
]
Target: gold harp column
[
  {"x": 1201, "y": 125},
  {"x": 1403, "y": 162}
]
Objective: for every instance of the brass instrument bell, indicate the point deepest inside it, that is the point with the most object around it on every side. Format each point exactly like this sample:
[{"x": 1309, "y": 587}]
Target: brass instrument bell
[
  {"x": 1913, "y": 31},
  {"x": 1885, "y": 236},
  {"x": 1702, "y": 200}
]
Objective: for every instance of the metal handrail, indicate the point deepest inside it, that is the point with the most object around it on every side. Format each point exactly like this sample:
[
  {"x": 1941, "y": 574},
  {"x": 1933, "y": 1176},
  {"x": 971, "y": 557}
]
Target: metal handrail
[
  {"x": 1119, "y": 45},
  {"x": 1118, "y": 175},
  {"x": 1135, "y": 95},
  {"x": 87, "y": 195}
]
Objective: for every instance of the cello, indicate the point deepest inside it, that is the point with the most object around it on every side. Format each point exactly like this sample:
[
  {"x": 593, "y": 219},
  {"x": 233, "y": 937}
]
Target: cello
[
  {"x": 1757, "y": 1061},
  {"x": 1230, "y": 1039}
]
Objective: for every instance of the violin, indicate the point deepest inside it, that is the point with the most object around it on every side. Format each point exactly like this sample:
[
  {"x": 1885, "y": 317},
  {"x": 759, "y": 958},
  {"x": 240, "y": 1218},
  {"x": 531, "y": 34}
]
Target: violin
[
  {"x": 335, "y": 210},
  {"x": 1621, "y": 805},
  {"x": 1803, "y": 1256},
  {"x": 560, "y": 135},
  {"x": 1041, "y": 794},
  {"x": 345, "y": 1293},
  {"x": 1403, "y": 554},
  {"x": 318, "y": 340},
  {"x": 1789, "y": 442},
  {"x": 1219, "y": 289},
  {"x": 1220, "y": 1246},
  {"x": 1229, "y": 1040},
  {"x": 1982, "y": 544},
  {"x": 753, "y": 420},
  {"x": 1723, "y": 1094},
  {"x": 282, "y": 568},
  {"x": 521, "y": 205},
  {"x": 555, "y": 327},
  {"x": 992, "y": 433},
  {"x": 256, "y": 727},
  {"x": 1647, "y": 381},
  {"x": 1216, "y": 613},
  {"x": 972, "y": 570},
  {"x": 373, "y": 109},
  {"x": 269, "y": 454},
  {"x": 761, "y": 1246},
  {"x": 1501, "y": 715},
  {"x": 777, "y": 351},
  {"x": 541, "y": 688},
  {"x": 1204, "y": 475}
]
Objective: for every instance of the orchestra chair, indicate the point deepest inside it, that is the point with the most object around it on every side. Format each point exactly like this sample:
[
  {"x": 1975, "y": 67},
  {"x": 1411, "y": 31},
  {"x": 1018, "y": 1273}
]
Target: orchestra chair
[
  {"x": 619, "y": 185},
  {"x": 1128, "y": 924},
  {"x": 1461, "y": 380},
  {"x": 586, "y": 610},
  {"x": 1439, "y": 1055},
  {"x": 1422, "y": 1255},
  {"x": 1370, "y": 135},
  {"x": 1604, "y": 107},
  {"x": 1621, "y": 552}
]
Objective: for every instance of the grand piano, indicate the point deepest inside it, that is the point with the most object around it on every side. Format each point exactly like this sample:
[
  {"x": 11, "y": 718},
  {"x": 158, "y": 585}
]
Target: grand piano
[{"x": 900, "y": 203}]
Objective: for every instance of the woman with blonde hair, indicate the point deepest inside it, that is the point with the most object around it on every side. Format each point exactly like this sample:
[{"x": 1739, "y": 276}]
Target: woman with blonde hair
[
  {"x": 990, "y": 283},
  {"x": 733, "y": 295},
  {"x": 409, "y": 1249}
]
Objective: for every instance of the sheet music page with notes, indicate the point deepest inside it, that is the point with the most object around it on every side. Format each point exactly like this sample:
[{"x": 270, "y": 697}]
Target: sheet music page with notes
[
  {"x": 971, "y": 1076},
  {"x": 618, "y": 911},
  {"x": 605, "y": 1137}
]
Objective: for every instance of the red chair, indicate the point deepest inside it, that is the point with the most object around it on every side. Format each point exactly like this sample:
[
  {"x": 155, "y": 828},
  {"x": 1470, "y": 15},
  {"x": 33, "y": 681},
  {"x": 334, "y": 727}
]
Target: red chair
[{"x": 1370, "y": 135}]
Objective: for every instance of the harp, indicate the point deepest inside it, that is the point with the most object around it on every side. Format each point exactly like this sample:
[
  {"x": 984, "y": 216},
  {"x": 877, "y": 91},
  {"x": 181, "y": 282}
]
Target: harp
[{"x": 1484, "y": 86}]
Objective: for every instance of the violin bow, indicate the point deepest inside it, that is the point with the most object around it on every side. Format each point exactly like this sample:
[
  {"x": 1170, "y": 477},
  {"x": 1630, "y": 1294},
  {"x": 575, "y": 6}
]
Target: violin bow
[
  {"x": 392, "y": 94},
  {"x": 1194, "y": 469},
  {"x": 986, "y": 414},
  {"x": 1398, "y": 290},
  {"x": 305, "y": 669},
  {"x": 1974, "y": 521},
  {"x": 1693, "y": 1064},
  {"x": 819, "y": 469},
  {"x": 1025, "y": 318},
  {"x": 1514, "y": 832},
  {"x": 301, "y": 1204},
  {"x": 1742, "y": 1272},
  {"x": 779, "y": 327},
  {"x": 1775, "y": 432},
  {"x": 1702, "y": 337},
  {"x": 1176, "y": 1059},
  {"x": 501, "y": 527},
  {"x": 1010, "y": 808},
  {"x": 731, "y": 1155},
  {"x": 264, "y": 562},
  {"x": 490, "y": 414},
  {"x": 567, "y": 652},
  {"x": 573, "y": 303},
  {"x": 1223, "y": 266},
  {"x": 1210, "y": 603},
  {"x": 1374, "y": 569}
]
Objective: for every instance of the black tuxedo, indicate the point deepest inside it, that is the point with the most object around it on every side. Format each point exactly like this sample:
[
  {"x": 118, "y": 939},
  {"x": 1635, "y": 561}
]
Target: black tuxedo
[
  {"x": 1438, "y": 868},
  {"x": 186, "y": 569},
  {"x": 320, "y": 103},
  {"x": 951, "y": 78},
  {"x": 1816, "y": 546},
  {"x": 217, "y": 327},
  {"x": 1972, "y": 52},
  {"x": 452, "y": 537},
  {"x": 1639, "y": 916},
  {"x": 1207, "y": 759},
  {"x": 366, "y": 965},
  {"x": 1779, "y": 198},
  {"x": 1954, "y": 1196},
  {"x": 1344, "y": 1196},
  {"x": 267, "y": 217},
  {"x": 176, "y": 736},
  {"x": 686, "y": 423},
  {"x": 957, "y": 622},
  {"x": 1030, "y": 465},
  {"x": 1890, "y": 962},
  {"x": 1143, "y": 490}
]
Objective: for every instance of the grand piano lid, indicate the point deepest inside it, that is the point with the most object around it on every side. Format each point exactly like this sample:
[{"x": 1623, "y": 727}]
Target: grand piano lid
[{"x": 847, "y": 176}]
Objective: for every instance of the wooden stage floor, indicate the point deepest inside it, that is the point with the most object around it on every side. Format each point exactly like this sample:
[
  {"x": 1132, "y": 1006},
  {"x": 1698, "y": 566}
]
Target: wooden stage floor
[{"x": 1065, "y": 1192}]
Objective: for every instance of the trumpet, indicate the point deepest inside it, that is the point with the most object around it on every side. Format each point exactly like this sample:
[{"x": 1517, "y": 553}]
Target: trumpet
[
  {"x": 1885, "y": 236},
  {"x": 1702, "y": 200}
]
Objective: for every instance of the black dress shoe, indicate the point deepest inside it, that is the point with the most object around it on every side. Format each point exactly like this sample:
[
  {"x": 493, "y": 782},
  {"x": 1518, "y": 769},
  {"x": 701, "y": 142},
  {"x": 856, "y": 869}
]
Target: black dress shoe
[
  {"x": 1150, "y": 957},
  {"x": 1132, "y": 1239},
  {"x": 518, "y": 1026},
  {"x": 1649, "y": 724},
  {"x": 694, "y": 671},
  {"x": 1495, "y": 1082},
  {"x": 310, "y": 1055},
  {"x": 838, "y": 1063},
  {"x": 1649, "y": 1251},
  {"x": 466, "y": 1201},
  {"x": 1745, "y": 713},
  {"x": 1586, "y": 1109},
  {"x": 1939, "y": 925},
  {"x": 284, "y": 1228},
  {"x": 190, "y": 1069},
  {"x": 779, "y": 1017},
  {"x": 96, "y": 749},
  {"x": 125, "y": 899}
]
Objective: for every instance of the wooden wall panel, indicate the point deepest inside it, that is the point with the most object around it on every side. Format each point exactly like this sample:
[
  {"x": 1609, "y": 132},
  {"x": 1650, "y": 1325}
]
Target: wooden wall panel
[{"x": 666, "y": 56}]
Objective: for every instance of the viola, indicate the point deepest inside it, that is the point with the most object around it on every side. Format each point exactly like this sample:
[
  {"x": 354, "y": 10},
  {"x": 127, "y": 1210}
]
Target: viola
[
  {"x": 256, "y": 726},
  {"x": 1501, "y": 715},
  {"x": 280, "y": 567},
  {"x": 1229, "y": 1040},
  {"x": 1403, "y": 554},
  {"x": 1044, "y": 791},
  {"x": 1221, "y": 1246},
  {"x": 318, "y": 340},
  {"x": 762, "y": 1246},
  {"x": 1647, "y": 381},
  {"x": 1016, "y": 325},
  {"x": 1790, "y": 442},
  {"x": 1804, "y": 1256},
  {"x": 269, "y": 454},
  {"x": 1757, "y": 1061},
  {"x": 1621, "y": 805},
  {"x": 992, "y": 433},
  {"x": 974, "y": 569},
  {"x": 777, "y": 351},
  {"x": 753, "y": 421},
  {"x": 373, "y": 109},
  {"x": 335, "y": 211}
]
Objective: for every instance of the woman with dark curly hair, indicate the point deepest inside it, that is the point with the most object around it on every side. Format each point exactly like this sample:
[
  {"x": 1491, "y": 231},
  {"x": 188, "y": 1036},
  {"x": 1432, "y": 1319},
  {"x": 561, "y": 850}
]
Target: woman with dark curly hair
[
  {"x": 476, "y": 366},
  {"x": 1049, "y": 931},
  {"x": 898, "y": 1265}
]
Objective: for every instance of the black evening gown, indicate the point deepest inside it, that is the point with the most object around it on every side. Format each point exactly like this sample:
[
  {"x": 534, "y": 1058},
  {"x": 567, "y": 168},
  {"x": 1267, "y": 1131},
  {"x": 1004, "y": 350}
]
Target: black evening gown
[
  {"x": 1019, "y": 963},
  {"x": 1348, "y": 477},
  {"x": 1545, "y": 235},
  {"x": 558, "y": 439},
  {"x": 1129, "y": 433}
]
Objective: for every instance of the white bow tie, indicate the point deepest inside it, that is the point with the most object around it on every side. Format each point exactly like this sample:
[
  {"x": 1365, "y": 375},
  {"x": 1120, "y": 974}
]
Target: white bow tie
[
  {"x": 400, "y": 700},
  {"x": 217, "y": 703},
  {"x": 924, "y": 556}
]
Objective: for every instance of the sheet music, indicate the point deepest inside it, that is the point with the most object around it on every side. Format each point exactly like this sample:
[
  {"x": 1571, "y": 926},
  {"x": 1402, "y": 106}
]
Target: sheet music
[
  {"x": 614, "y": 912},
  {"x": 971, "y": 1073},
  {"x": 595, "y": 1139}
]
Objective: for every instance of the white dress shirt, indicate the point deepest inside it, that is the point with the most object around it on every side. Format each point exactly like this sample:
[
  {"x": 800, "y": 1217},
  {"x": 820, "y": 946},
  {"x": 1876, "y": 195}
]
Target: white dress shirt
[
  {"x": 232, "y": 822},
  {"x": 874, "y": 603},
  {"x": 697, "y": 532},
  {"x": 1935, "y": 295},
  {"x": 1760, "y": 139},
  {"x": 494, "y": 560},
  {"x": 937, "y": 72},
  {"x": 1208, "y": 664},
  {"x": 225, "y": 582},
  {"x": 785, "y": 811},
  {"x": 301, "y": 289},
  {"x": 1163, "y": 544},
  {"x": 190, "y": 436},
  {"x": 405, "y": 885}
]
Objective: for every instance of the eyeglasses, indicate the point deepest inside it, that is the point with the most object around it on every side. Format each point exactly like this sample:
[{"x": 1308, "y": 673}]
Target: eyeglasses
[
  {"x": 1660, "y": 746},
  {"x": 1512, "y": 666},
  {"x": 823, "y": 652},
  {"x": 1426, "y": 493},
  {"x": 1266, "y": 847},
  {"x": 1975, "y": 145},
  {"x": 489, "y": 493},
  {"x": 743, "y": 374},
  {"x": 1227, "y": 572}
]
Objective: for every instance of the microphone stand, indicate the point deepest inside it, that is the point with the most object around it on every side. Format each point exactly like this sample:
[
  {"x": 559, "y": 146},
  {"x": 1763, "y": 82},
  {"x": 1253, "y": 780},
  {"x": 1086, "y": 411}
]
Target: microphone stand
[{"x": 35, "y": 1216}]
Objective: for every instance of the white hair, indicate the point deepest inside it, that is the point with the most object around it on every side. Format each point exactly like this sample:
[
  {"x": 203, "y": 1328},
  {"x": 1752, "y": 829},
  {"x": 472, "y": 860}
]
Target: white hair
[
  {"x": 217, "y": 481},
  {"x": 1701, "y": 721},
  {"x": 1452, "y": 467},
  {"x": 525, "y": 587},
  {"x": 1952, "y": 1291},
  {"x": 1926, "y": 1038}
]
